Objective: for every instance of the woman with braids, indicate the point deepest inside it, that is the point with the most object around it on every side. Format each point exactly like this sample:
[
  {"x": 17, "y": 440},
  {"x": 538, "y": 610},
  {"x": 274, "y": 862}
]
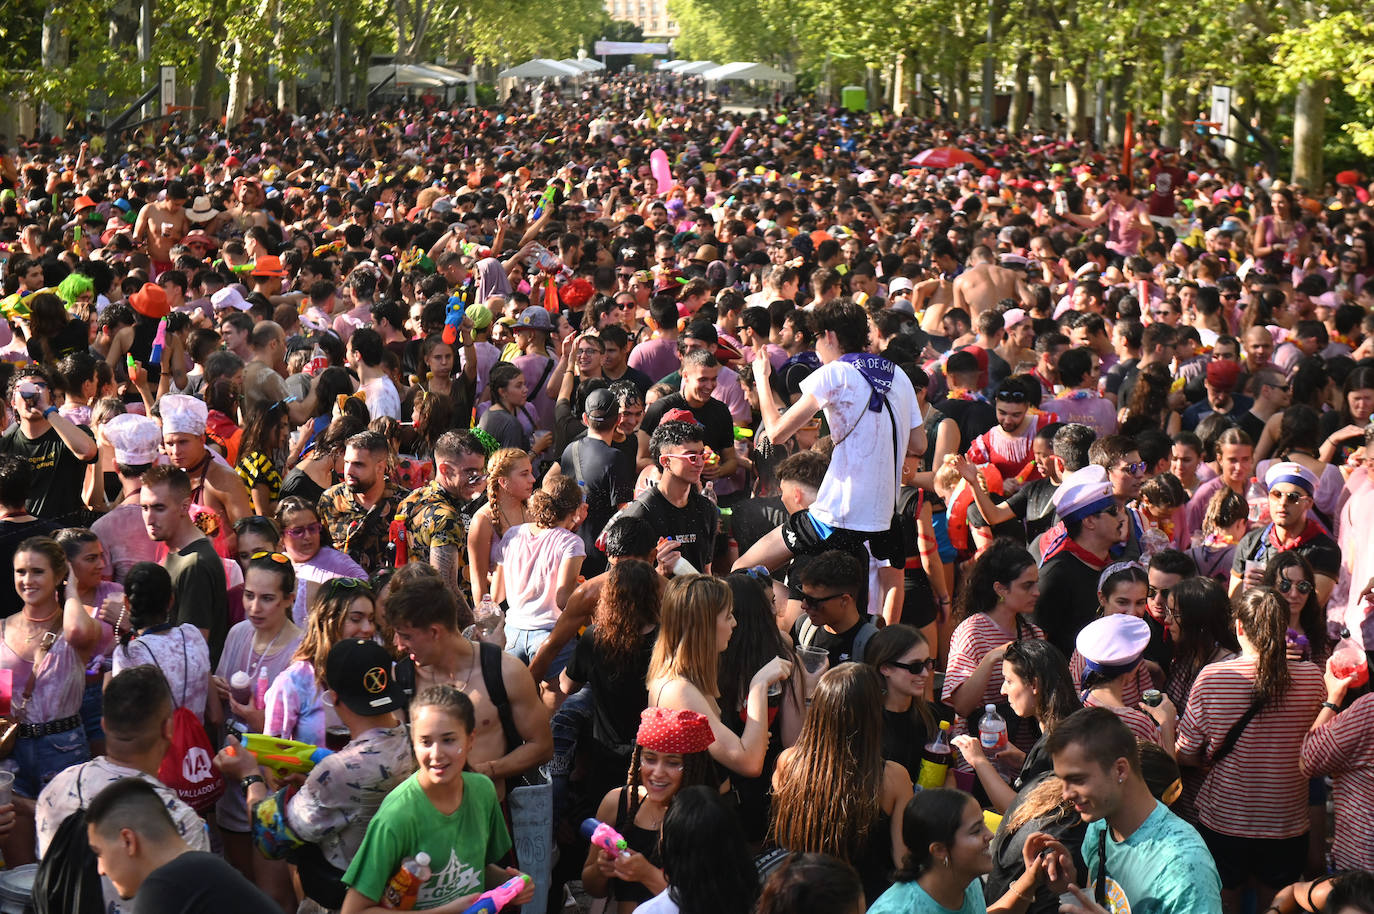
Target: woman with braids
[
  {"x": 902, "y": 658},
  {"x": 343, "y": 609},
  {"x": 833, "y": 792},
  {"x": 1037, "y": 685},
  {"x": 510, "y": 483},
  {"x": 612, "y": 657},
  {"x": 179, "y": 651},
  {"x": 1246, "y": 719},
  {"x": 757, "y": 641},
  {"x": 948, "y": 854},
  {"x": 998, "y": 595},
  {"x": 696, "y": 623},
  {"x": 670, "y": 755}
]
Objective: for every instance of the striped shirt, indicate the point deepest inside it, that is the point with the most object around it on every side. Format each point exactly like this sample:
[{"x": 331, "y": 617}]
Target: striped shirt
[
  {"x": 1261, "y": 772},
  {"x": 1140, "y": 723},
  {"x": 1343, "y": 747},
  {"x": 975, "y": 638}
]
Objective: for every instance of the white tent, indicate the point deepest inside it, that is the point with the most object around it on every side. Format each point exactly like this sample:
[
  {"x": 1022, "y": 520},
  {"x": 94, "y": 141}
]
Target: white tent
[
  {"x": 743, "y": 70},
  {"x": 695, "y": 68},
  {"x": 408, "y": 76},
  {"x": 672, "y": 65},
  {"x": 539, "y": 68},
  {"x": 447, "y": 72},
  {"x": 586, "y": 64}
]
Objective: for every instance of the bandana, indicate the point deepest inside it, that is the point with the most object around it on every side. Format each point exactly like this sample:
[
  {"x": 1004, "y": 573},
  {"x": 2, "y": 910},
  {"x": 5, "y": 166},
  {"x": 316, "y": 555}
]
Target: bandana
[
  {"x": 877, "y": 371},
  {"x": 677, "y": 732}
]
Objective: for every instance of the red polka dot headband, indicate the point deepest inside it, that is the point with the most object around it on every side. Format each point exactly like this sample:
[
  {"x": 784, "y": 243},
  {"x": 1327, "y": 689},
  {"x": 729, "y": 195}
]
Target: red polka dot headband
[{"x": 677, "y": 732}]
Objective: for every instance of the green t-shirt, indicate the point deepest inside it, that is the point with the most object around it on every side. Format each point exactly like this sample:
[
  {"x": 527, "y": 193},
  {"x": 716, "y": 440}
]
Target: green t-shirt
[
  {"x": 1162, "y": 868},
  {"x": 459, "y": 846},
  {"x": 910, "y": 898}
]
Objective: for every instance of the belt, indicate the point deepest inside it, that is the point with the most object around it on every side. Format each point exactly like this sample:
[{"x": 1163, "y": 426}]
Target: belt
[{"x": 49, "y": 727}]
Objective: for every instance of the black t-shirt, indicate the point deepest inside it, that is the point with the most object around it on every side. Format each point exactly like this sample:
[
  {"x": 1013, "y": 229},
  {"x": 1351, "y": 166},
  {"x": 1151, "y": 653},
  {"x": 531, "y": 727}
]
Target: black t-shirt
[
  {"x": 840, "y": 646},
  {"x": 714, "y": 417},
  {"x": 693, "y": 526},
  {"x": 607, "y": 475},
  {"x": 1251, "y": 424},
  {"x": 73, "y": 337},
  {"x": 972, "y": 416},
  {"x": 1321, "y": 552},
  {"x": 904, "y": 737},
  {"x": 1116, "y": 375},
  {"x": 634, "y": 376},
  {"x": 57, "y": 473},
  {"x": 1031, "y": 503},
  {"x": 199, "y": 883},
  {"x": 12, "y": 533},
  {"x": 619, "y": 693},
  {"x": 754, "y": 518},
  {"x": 998, "y": 369},
  {"x": 1068, "y": 600},
  {"x": 299, "y": 483}
]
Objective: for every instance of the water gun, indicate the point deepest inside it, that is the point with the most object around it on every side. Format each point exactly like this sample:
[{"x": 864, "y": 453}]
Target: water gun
[
  {"x": 457, "y": 307},
  {"x": 545, "y": 199},
  {"x": 158, "y": 342},
  {"x": 605, "y": 837},
  {"x": 493, "y": 900},
  {"x": 284, "y": 756},
  {"x": 396, "y": 535},
  {"x": 711, "y": 458},
  {"x": 743, "y": 432},
  {"x": 131, "y": 366}
]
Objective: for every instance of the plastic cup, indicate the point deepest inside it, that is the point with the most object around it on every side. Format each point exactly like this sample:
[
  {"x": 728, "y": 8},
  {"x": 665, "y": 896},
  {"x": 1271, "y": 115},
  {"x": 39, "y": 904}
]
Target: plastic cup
[
  {"x": 1252, "y": 566},
  {"x": 813, "y": 659},
  {"x": 6, "y": 788},
  {"x": 241, "y": 687}
]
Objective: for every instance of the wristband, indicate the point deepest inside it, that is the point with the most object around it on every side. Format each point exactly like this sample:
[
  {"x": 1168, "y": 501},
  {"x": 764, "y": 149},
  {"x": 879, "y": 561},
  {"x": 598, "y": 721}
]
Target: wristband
[
  {"x": 49, "y": 411},
  {"x": 249, "y": 781},
  {"x": 1332, "y": 705}
]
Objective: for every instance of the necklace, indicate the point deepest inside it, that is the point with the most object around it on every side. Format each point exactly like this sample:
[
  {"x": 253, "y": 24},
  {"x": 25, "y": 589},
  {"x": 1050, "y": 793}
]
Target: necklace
[
  {"x": 267, "y": 650},
  {"x": 43, "y": 622}
]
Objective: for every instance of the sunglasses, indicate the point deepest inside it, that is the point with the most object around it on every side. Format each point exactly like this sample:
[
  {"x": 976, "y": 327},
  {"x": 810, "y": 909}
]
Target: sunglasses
[
  {"x": 695, "y": 460},
  {"x": 472, "y": 477},
  {"x": 274, "y": 556},
  {"x": 1114, "y": 511},
  {"x": 307, "y": 530},
  {"x": 1012, "y": 396},
  {"x": 1288, "y": 498},
  {"x": 915, "y": 667},
  {"x": 1133, "y": 468},
  {"x": 346, "y": 583},
  {"x": 1152, "y": 591},
  {"x": 811, "y": 602},
  {"x": 1304, "y": 587}
]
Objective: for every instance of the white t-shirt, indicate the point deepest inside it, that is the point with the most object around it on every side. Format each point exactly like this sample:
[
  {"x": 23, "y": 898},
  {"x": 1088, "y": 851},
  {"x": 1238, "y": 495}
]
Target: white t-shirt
[
  {"x": 859, "y": 491},
  {"x": 382, "y": 399},
  {"x": 661, "y": 903}
]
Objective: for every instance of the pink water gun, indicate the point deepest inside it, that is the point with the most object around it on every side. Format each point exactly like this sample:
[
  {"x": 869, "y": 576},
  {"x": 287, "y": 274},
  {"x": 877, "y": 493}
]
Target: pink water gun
[
  {"x": 490, "y": 902},
  {"x": 605, "y": 837}
]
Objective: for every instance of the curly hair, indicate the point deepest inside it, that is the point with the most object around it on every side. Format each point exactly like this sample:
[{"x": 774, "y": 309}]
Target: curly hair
[
  {"x": 627, "y": 604},
  {"x": 1001, "y": 563},
  {"x": 558, "y": 500}
]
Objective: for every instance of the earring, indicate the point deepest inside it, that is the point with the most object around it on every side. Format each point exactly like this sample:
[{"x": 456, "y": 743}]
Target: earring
[
  {"x": 946, "y": 862},
  {"x": 1121, "y": 780}
]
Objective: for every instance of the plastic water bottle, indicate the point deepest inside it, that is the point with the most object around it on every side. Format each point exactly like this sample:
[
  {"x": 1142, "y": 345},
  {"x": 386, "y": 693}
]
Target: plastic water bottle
[
  {"x": 992, "y": 732},
  {"x": 260, "y": 692},
  {"x": 1257, "y": 497},
  {"x": 487, "y": 615},
  {"x": 404, "y": 887},
  {"x": 1347, "y": 660}
]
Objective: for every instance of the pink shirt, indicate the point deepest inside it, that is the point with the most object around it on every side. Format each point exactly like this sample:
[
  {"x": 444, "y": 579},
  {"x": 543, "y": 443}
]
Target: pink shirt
[
  {"x": 656, "y": 358},
  {"x": 532, "y": 558}
]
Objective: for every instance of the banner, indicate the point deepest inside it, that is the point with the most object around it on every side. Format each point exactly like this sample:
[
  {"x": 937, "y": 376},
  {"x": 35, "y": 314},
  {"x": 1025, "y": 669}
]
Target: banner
[{"x": 605, "y": 48}]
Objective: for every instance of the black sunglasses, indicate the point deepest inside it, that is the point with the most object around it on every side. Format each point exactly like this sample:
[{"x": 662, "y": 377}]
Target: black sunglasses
[
  {"x": 816, "y": 602},
  {"x": 915, "y": 667},
  {"x": 1304, "y": 587},
  {"x": 1152, "y": 591},
  {"x": 1012, "y": 396}
]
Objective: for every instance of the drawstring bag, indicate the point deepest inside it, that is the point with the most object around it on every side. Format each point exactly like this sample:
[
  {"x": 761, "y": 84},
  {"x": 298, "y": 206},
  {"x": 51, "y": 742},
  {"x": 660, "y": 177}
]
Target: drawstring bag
[{"x": 186, "y": 768}]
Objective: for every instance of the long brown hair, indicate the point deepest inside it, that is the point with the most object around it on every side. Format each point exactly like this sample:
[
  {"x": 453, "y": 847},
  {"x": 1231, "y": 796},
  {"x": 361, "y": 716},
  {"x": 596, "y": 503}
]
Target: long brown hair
[
  {"x": 829, "y": 796},
  {"x": 1045, "y": 797},
  {"x": 686, "y": 647},
  {"x": 324, "y": 627},
  {"x": 888, "y": 646},
  {"x": 628, "y": 602},
  {"x": 1264, "y": 616},
  {"x": 697, "y": 768}
]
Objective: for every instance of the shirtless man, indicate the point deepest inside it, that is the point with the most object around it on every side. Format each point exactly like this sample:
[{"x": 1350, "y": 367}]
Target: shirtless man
[
  {"x": 214, "y": 484},
  {"x": 934, "y": 296},
  {"x": 428, "y": 620},
  {"x": 984, "y": 284},
  {"x": 161, "y": 226}
]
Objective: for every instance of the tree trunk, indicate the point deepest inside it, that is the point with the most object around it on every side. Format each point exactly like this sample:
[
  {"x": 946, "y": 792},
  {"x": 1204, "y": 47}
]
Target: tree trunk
[
  {"x": 1242, "y": 100},
  {"x": 1119, "y": 84},
  {"x": 1042, "y": 114},
  {"x": 1020, "y": 95},
  {"x": 1309, "y": 124},
  {"x": 962, "y": 95},
  {"x": 901, "y": 82},
  {"x": 1076, "y": 104},
  {"x": 54, "y": 52},
  {"x": 205, "y": 79},
  {"x": 1168, "y": 102}
]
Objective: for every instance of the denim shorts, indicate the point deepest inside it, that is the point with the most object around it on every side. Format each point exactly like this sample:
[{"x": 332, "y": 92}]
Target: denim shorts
[
  {"x": 37, "y": 760},
  {"x": 92, "y": 708},
  {"x": 523, "y": 643}
]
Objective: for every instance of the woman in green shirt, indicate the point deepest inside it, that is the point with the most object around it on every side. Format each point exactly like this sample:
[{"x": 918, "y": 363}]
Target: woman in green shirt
[
  {"x": 948, "y": 853},
  {"x": 442, "y": 810}
]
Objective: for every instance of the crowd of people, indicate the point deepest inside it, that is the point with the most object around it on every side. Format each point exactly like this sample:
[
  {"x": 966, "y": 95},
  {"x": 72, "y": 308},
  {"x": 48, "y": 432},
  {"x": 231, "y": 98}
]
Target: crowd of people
[{"x": 700, "y": 472}]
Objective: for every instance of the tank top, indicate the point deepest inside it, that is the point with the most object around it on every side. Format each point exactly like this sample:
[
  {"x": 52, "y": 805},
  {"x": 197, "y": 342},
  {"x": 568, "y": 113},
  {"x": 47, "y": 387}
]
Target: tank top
[
  {"x": 643, "y": 840},
  {"x": 60, "y": 685}
]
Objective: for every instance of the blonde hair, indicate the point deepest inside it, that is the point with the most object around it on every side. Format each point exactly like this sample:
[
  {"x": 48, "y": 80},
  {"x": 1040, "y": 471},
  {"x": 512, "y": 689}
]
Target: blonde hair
[
  {"x": 499, "y": 467},
  {"x": 1224, "y": 508},
  {"x": 686, "y": 647},
  {"x": 1045, "y": 797}
]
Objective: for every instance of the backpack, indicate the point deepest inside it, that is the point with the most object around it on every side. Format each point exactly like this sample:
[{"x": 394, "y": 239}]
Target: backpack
[
  {"x": 186, "y": 769},
  {"x": 806, "y": 633},
  {"x": 68, "y": 877}
]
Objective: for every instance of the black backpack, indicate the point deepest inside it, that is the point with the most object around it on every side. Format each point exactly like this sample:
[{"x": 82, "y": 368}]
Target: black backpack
[{"x": 68, "y": 878}]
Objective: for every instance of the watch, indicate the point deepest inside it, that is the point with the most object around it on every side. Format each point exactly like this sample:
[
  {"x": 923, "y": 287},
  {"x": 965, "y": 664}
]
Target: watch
[
  {"x": 1332, "y": 705},
  {"x": 249, "y": 781}
]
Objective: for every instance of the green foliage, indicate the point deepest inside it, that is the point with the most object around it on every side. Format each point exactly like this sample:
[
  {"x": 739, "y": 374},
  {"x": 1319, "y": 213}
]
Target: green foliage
[{"x": 1339, "y": 47}]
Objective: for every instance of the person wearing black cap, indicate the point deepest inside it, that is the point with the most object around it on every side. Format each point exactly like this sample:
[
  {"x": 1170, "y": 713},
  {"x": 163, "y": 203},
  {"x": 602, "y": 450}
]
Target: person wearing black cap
[
  {"x": 320, "y": 827},
  {"x": 604, "y": 468}
]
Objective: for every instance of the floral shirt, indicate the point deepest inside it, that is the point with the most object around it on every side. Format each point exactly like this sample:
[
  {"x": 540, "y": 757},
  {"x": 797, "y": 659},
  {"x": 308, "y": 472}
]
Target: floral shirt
[
  {"x": 434, "y": 518},
  {"x": 338, "y": 800},
  {"x": 356, "y": 531}
]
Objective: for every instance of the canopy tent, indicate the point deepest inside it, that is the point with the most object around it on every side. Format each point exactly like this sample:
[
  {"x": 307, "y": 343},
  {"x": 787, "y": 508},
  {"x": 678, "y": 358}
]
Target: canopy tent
[
  {"x": 672, "y": 65},
  {"x": 742, "y": 71},
  {"x": 695, "y": 68},
  {"x": 409, "y": 76},
  {"x": 586, "y": 64},
  {"x": 539, "y": 68},
  {"x": 447, "y": 72}
]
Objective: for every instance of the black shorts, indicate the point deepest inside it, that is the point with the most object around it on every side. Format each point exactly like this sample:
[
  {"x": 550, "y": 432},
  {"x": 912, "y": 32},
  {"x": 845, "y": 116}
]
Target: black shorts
[
  {"x": 1273, "y": 862},
  {"x": 801, "y": 537}
]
